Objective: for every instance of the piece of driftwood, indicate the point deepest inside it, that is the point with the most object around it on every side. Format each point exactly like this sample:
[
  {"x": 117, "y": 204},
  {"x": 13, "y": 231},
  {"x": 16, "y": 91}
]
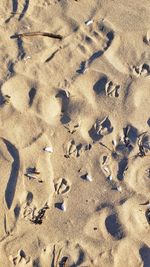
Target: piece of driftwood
[{"x": 33, "y": 34}]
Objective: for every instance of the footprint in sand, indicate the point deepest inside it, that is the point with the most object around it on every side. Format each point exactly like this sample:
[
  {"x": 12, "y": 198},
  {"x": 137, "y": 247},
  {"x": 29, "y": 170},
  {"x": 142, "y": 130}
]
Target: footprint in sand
[
  {"x": 104, "y": 164},
  {"x": 100, "y": 129},
  {"x": 105, "y": 224},
  {"x": 64, "y": 95},
  {"x": 106, "y": 87},
  {"x": 20, "y": 258},
  {"x": 61, "y": 186},
  {"x": 112, "y": 89},
  {"x": 98, "y": 41},
  {"x": 138, "y": 175},
  {"x": 141, "y": 71}
]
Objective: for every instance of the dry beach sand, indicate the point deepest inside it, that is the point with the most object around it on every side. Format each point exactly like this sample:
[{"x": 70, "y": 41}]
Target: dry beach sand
[{"x": 75, "y": 139}]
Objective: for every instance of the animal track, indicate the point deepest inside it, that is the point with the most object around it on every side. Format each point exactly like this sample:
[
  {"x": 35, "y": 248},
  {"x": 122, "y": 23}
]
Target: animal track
[
  {"x": 100, "y": 129},
  {"x": 104, "y": 162},
  {"x": 15, "y": 9},
  {"x": 37, "y": 217},
  {"x": 107, "y": 35},
  {"x": 114, "y": 227},
  {"x": 144, "y": 144},
  {"x": 71, "y": 149},
  {"x": 20, "y": 258},
  {"x": 61, "y": 186},
  {"x": 106, "y": 87},
  {"x": 72, "y": 128},
  {"x": 142, "y": 70},
  {"x": 65, "y": 97},
  {"x": 112, "y": 89},
  {"x": 99, "y": 86}
]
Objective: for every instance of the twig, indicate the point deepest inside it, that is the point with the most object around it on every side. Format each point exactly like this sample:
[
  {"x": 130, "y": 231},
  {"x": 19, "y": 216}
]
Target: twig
[{"x": 30, "y": 34}]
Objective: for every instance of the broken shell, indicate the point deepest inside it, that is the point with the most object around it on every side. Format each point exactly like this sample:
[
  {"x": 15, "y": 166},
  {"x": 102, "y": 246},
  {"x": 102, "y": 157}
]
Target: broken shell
[
  {"x": 30, "y": 176},
  {"x": 67, "y": 93},
  {"x": 63, "y": 207},
  {"x": 114, "y": 142},
  {"x": 48, "y": 149},
  {"x": 88, "y": 22},
  {"x": 89, "y": 178},
  {"x": 110, "y": 177},
  {"x": 119, "y": 188}
]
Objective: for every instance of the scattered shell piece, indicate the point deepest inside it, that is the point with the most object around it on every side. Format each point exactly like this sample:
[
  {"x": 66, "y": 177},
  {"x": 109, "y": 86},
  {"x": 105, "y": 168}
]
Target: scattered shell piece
[
  {"x": 32, "y": 170},
  {"x": 26, "y": 58},
  {"x": 67, "y": 93},
  {"x": 119, "y": 188},
  {"x": 63, "y": 207},
  {"x": 114, "y": 142},
  {"x": 110, "y": 177},
  {"x": 88, "y": 22},
  {"x": 48, "y": 149},
  {"x": 89, "y": 178}
]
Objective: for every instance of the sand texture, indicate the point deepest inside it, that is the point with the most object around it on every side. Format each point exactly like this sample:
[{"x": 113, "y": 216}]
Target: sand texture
[{"x": 75, "y": 133}]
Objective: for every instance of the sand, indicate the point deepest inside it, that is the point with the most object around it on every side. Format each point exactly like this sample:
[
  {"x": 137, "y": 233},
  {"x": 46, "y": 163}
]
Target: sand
[{"x": 75, "y": 139}]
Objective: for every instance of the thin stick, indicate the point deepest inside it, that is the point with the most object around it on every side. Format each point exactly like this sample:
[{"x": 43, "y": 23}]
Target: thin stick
[{"x": 30, "y": 34}]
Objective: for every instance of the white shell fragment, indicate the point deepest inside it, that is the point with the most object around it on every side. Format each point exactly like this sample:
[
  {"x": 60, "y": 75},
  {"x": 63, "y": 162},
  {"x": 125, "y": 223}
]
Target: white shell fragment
[
  {"x": 119, "y": 188},
  {"x": 63, "y": 207},
  {"x": 48, "y": 149},
  {"x": 110, "y": 177},
  {"x": 67, "y": 93},
  {"x": 114, "y": 142},
  {"x": 88, "y": 22},
  {"x": 89, "y": 178}
]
